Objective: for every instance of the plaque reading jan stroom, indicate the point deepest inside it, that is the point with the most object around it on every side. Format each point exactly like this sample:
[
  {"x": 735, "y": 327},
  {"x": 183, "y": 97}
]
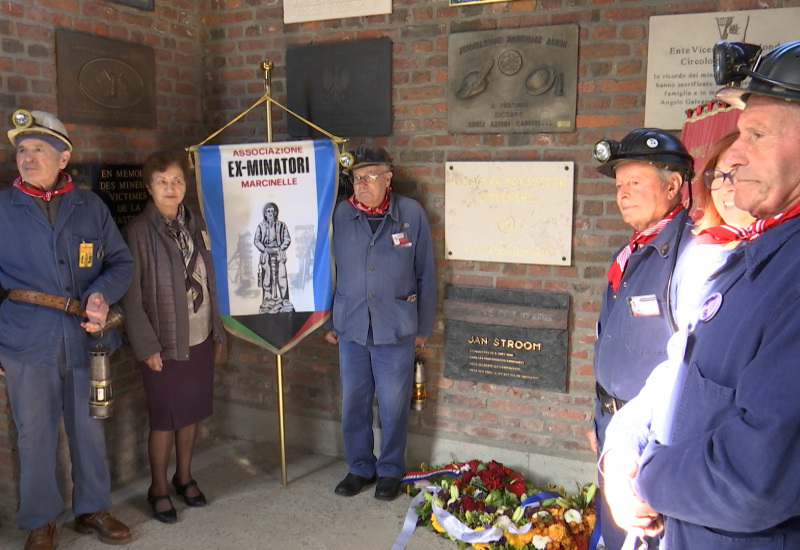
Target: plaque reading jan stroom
[
  {"x": 506, "y": 337},
  {"x": 105, "y": 82},
  {"x": 513, "y": 81}
]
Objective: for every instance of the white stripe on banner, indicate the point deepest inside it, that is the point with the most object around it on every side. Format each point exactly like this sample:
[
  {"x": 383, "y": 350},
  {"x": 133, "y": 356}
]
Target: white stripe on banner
[{"x": 268, "y": 208}]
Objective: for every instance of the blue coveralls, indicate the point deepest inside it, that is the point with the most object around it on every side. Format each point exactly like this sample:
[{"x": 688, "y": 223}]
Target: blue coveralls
[
  {"x": 385, "y": 297},
  {"x": 45, "y": 351}
]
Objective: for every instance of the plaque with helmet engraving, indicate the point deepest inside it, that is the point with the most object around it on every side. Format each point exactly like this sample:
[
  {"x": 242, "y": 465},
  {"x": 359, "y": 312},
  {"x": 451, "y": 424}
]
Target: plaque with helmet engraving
[{"x": 513, "y": 81}]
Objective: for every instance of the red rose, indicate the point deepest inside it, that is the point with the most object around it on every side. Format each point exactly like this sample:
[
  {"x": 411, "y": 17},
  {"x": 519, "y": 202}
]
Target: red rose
[
  {"x": 516, "y": 485},
  {"x": 491, "y": 480},
  {"x": 470, "y": 504},
  {"x": 499, "y": 469}
]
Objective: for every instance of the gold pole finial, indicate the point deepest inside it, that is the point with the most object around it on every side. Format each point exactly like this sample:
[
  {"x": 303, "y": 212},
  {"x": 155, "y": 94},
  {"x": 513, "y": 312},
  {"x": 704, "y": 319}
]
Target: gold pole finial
[{"x": 267, "y": 67}]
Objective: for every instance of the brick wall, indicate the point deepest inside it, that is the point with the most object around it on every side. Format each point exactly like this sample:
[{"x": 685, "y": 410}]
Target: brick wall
[{"x": 208, "y": 56}]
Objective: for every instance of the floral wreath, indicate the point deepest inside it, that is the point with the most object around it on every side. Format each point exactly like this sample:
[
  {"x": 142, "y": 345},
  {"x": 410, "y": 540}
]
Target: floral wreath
[{"x": 487, "y": 506}]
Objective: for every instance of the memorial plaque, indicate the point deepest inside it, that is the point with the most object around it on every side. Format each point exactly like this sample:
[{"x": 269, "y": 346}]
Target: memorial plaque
[
  {"x": 513, "y": 81},
  {"x": 105, "y": 82},
  {"x": 507, "y": 337},
  {"x": 344, "y": 88},
  {"x": 514, "y": 212},
  {"x": 119, "y": 185}
]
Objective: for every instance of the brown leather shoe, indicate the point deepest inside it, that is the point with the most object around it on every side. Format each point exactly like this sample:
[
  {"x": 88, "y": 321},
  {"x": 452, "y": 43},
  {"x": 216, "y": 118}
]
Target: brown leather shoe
[
  {"x": 43, "y": 538},
  {"x": 109, "y": 529}
]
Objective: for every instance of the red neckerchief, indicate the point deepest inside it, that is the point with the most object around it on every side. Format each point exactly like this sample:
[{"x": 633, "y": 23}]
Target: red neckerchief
[
  {"x": 45, "y": 195},
  {"x": 724, "y": 234},
  {"x": 617, "y": 269},
  {"x": 380, "y": 209}
]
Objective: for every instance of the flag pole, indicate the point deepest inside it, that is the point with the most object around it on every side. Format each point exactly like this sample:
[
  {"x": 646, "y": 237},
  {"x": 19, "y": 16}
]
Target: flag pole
[{"x": 267, "y": 67}]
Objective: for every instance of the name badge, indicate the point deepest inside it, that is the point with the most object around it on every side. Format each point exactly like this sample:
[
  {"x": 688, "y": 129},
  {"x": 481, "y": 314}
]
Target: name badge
[
  {"x": 401, "y": 239},
  {"x": 85, "y": 254},
  {"x": 644, "y": 306}
]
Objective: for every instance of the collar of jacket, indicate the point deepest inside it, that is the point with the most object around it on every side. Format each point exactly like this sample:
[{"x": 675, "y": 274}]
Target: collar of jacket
[{"x": 393, "y": 212}]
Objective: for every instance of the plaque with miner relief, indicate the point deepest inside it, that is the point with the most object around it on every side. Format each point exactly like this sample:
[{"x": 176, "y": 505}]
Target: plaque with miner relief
[{"x": 513, "y": 81}]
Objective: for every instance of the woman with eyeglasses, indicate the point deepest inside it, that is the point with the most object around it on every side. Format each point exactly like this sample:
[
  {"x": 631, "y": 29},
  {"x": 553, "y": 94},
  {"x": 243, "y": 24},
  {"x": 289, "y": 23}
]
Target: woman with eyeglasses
[
  {"x": 173, "y": 321},
  {"x": 649, "y": 415}
]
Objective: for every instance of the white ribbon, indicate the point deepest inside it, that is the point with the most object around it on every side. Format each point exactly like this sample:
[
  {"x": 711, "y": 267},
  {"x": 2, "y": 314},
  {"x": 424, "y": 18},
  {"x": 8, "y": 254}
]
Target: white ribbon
[{"x": 451, "y": 524}]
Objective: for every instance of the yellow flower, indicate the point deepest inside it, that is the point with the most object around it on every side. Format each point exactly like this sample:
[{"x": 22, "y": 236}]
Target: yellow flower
[
  {"x": 481, "y": 545},
  {"x": 589, "y": 520},
  {"x": 518, "y": 542},
  {"x": 557, "y": 532},
  {"x": 435, "y": 524}
]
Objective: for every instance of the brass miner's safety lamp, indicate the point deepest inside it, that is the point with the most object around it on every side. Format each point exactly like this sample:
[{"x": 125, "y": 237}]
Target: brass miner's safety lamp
[
  {"x": 101, "y": 393},
  {"x": 419, "y": 394}
]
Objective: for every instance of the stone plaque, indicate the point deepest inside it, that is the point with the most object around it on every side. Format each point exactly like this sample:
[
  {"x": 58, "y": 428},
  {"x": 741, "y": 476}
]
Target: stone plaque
[
  {"x": 119, "y": 185},
  {"x": 514, "y": 212},
  {"x": 105, "y": 82},
  {"x": 343, "y": 88},
  {"x": 680, "y": 74},
  {"x": 513, "y": 81},
  {"x": 506, "y": 337},
  {"x": 298, "y": 11}
]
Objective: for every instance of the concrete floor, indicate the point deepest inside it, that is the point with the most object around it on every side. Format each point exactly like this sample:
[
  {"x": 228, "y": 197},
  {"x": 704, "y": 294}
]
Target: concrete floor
[{"x": 250, "y": 508}]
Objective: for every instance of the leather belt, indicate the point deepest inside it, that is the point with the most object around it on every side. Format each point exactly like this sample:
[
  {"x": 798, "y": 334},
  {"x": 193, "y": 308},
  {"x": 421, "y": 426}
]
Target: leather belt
[
  {"x": 67, "y": 305},
  {"x": 608, "y": 402}
]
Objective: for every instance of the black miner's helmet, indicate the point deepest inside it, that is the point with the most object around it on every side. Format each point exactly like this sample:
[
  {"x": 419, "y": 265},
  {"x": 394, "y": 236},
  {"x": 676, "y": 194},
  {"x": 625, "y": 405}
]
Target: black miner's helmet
[
  {"x": 775, "y": 74},
  {"x": 365, "y": 155},
  {"x": 650, "y": 145}
]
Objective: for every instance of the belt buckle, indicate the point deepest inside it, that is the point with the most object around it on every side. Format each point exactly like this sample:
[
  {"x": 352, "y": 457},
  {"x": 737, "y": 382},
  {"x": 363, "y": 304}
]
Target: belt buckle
[{"x": 67, "y": 303}]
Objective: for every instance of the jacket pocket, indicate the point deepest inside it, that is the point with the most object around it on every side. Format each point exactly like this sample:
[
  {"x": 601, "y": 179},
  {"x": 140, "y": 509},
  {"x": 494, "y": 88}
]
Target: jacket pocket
[
  {"x": 339, "y": 313},
  {"x": 718, "y": 405}
]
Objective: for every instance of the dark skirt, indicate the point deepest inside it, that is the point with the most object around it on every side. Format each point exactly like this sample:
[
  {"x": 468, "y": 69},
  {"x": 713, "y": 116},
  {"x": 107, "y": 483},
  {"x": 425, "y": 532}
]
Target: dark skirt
[{"x": 182, "y": 393}]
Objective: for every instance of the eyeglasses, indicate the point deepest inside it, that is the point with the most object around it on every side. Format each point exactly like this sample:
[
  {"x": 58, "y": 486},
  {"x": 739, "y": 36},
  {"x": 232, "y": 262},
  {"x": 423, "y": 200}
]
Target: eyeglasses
[
  {"x": 369, "y": 178},
  {"x": 715, "y": 179}
]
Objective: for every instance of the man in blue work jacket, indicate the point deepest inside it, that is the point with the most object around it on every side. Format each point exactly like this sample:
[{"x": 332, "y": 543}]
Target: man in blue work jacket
[
  {"x": 63, "y": 261},
  {"x": 729, "y": 476},
  {"x": 383, "y": 310},
  {"x": 650, "y": 167}
]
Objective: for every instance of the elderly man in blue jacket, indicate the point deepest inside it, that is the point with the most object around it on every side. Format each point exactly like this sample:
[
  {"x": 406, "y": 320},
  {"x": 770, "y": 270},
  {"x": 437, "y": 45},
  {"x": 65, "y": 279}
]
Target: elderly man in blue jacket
[
  {"x": 729, "y": 475},
  {"x": 383, "y": 309},
  {"x": 63, "y": 261}
]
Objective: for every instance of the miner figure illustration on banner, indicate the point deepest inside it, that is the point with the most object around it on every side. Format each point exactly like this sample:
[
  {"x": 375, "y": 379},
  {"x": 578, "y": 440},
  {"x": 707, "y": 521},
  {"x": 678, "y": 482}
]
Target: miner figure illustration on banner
[{"x": 272, "y": 239}]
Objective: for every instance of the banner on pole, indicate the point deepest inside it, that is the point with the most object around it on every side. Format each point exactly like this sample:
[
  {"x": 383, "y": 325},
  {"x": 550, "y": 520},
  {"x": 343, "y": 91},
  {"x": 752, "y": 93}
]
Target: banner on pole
[{"x": 268, "y": 208}]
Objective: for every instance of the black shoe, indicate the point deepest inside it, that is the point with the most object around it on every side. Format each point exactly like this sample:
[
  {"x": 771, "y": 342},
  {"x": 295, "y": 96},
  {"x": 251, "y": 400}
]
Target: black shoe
[
  {"x": 197, "y": 500},
  {"x": 167, "y": 516},
  {"x": 387, "y": 488},
  {"x": 352, "y": 484}
]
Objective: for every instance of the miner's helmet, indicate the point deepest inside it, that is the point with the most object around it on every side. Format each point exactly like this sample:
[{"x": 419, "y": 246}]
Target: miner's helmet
[
  {"x": 649, "y": 145},
  {"x": 368, "y": 155},
  {"x": 39, "y": 122},
  {"x": 775, "y": 74}
]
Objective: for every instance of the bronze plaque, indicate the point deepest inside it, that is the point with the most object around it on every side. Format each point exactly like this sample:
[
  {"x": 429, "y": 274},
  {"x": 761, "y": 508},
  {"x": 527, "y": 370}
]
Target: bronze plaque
[
  {"x": 507, "y": 337},
  {"x": 105, "y": 82},
  {"x": 513, "y": 81},
  {"x": 344, "y": 88}
]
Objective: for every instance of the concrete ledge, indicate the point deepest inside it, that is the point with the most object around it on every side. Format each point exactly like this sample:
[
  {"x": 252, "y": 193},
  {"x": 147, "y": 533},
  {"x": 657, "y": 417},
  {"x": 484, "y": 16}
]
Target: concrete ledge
[{"x": 325, "y": 437}]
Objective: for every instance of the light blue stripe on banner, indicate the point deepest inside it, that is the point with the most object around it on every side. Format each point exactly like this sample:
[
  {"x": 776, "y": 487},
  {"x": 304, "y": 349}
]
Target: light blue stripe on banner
[
  {"x": 327, "y": 168},
  {"x": 214, "y": 211}
]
